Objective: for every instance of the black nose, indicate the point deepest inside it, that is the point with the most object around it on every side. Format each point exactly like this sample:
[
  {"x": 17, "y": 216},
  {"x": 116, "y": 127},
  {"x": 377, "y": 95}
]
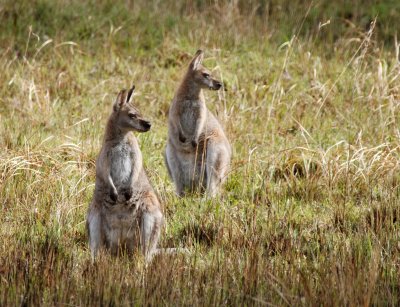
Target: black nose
[
  {"x": 218, "y": 85},
  {"x": 146, "y": 125}
]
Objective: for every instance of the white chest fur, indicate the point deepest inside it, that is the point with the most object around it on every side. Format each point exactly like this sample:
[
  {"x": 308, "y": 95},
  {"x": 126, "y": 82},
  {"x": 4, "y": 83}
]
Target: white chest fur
[
  {"x": 122, "y": 159},
  {"x": 192, "y": 111}
]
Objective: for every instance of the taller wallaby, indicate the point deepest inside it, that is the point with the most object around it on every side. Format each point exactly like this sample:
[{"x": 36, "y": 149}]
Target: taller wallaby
[
  {"x": 198, "y": 153},
  {"x": 125, "y": 212}
]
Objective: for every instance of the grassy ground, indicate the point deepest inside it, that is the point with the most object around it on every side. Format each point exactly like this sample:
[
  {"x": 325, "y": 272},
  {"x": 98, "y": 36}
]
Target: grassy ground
[{"x": 310, "y": 213}]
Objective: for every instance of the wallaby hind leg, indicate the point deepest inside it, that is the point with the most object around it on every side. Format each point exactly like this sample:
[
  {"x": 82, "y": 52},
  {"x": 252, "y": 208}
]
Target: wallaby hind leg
[
  {"x": 93, "y": 225},
  {"x": 217, "y": 164},
  {"x": 150, "y": 232},
  {"x": 174, "y": 169}
]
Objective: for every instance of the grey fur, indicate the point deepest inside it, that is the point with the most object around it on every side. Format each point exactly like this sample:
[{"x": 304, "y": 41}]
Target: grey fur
[
  {"x": 125, "y": 213},
  {"x": 198, "y": 153}
]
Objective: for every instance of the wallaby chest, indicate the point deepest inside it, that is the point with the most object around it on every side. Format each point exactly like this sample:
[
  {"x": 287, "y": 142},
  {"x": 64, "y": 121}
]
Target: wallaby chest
[
  {"x": 122, "y": 156},
  {"x": 190, "y": 112}
]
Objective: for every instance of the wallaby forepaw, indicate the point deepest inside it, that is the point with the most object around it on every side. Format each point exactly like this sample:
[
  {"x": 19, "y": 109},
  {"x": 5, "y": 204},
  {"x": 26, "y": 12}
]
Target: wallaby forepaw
[
  {"x": 181, "y": 137},
  {"x": 128, "y": 194},
  {"x": 113, "y": 195}
]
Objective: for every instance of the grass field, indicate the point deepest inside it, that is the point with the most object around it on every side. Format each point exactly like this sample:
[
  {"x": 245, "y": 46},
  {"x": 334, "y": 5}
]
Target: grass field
[{"x": 310, "y": 213}]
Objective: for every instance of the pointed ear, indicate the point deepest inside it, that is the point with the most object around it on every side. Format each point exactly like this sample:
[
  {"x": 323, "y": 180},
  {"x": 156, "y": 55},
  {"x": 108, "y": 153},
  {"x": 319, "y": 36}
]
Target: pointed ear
[
  {"x": 121, "y": 98},
  {"x": 197, "y": 60},
  {"x": 130, "y": 92}
]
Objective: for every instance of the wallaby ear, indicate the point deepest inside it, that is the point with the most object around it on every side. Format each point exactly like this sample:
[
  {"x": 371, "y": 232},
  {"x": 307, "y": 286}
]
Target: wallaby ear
[
  {"x": 197, "y": 60},
  {"x": 121, "y": 98},
  {"x": 130, "y": 92}
]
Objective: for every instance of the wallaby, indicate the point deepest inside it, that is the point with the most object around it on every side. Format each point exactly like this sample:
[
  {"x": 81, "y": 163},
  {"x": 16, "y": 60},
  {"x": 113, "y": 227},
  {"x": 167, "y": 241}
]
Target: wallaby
[
  {"x": 198, "y": 153},
  {"x": 125, "y": 213}
]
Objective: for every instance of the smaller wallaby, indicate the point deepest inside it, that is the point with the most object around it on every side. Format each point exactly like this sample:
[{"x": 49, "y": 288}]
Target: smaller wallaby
[
  {"x": 125, "y": 213},
  {"x": 198, "y": 153}
]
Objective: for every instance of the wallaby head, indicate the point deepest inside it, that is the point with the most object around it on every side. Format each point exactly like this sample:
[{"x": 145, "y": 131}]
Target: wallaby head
[
  {"x": 127, "y": 116},
  {"x": 201, "y": 75}
]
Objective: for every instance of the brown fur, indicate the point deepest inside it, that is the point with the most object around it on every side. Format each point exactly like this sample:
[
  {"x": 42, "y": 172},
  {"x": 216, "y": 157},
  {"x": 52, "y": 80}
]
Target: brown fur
[
  {"x": 196, "y": 140},
  {"x": 125, "y": 212}
]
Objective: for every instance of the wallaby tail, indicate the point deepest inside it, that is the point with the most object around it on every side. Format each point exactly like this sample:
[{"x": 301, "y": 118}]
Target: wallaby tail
[
  {"x": 166, "y": 163},
  {"x": 172, "y": 251}
]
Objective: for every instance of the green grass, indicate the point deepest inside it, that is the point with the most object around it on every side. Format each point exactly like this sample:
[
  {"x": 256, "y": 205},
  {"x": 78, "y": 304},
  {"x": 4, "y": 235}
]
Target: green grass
[{"x": 310, "y": 212}]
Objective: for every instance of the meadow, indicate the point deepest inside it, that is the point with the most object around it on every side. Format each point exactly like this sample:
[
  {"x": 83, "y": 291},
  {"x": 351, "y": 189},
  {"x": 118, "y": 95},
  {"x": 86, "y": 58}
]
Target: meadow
[{"x": 310, "y": 212}]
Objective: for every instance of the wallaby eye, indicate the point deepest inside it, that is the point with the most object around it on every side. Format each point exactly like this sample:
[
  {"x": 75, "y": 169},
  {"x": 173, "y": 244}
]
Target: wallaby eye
[
  {"x": 206, "y": 75},
  {"x": 132, "y": 115}
]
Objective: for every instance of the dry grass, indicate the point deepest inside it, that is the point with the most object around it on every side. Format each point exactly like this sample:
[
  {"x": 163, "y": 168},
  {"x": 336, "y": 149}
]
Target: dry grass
[{"x": 310, "y": 213}]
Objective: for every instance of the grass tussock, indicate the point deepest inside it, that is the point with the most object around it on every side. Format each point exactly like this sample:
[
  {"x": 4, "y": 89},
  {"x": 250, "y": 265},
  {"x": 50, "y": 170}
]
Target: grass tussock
[{"x": 310, "y": 212}]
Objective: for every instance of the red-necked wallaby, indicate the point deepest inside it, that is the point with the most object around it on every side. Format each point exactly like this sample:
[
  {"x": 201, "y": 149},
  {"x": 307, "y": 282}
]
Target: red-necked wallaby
[
  {"x": 125, "y": 213},
  {"x": 198, "y": 153}
]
